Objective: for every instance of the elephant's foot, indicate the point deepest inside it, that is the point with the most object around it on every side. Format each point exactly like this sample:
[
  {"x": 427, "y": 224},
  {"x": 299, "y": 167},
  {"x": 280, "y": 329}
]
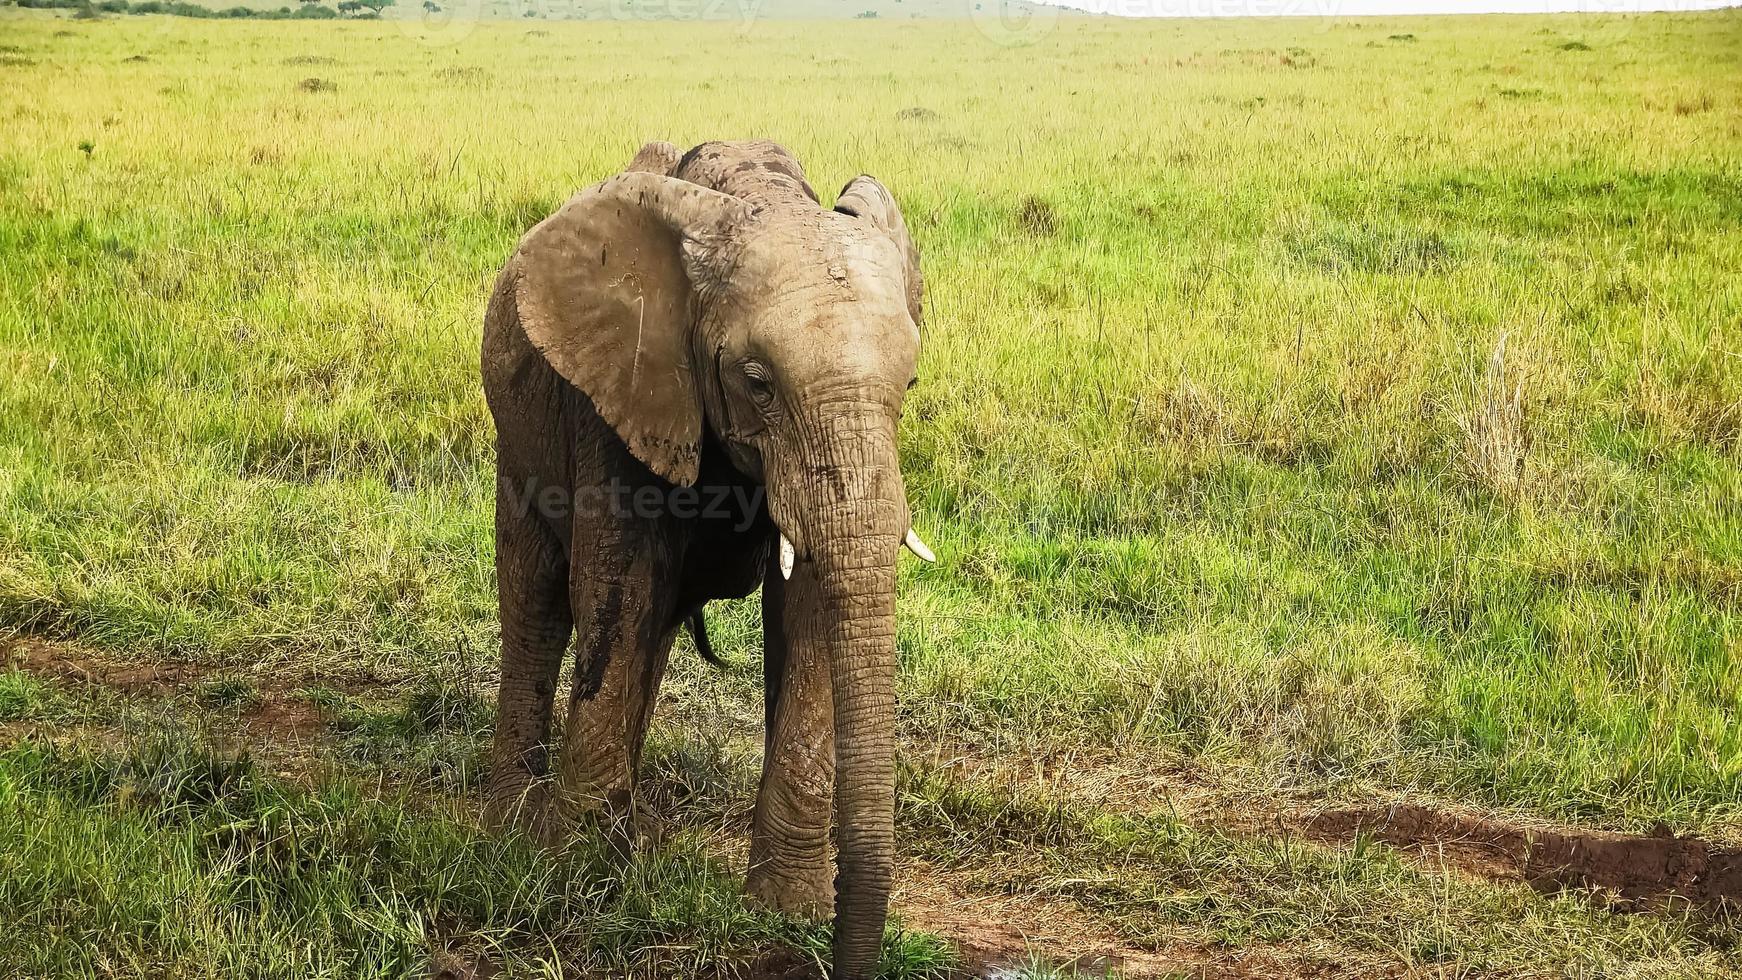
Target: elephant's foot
[
  {"x": 611, "y": 814},
  {"x": 805, "y": 891},
  {"x": 790, "y": 869},
  {"x": 519, "y": 802}
]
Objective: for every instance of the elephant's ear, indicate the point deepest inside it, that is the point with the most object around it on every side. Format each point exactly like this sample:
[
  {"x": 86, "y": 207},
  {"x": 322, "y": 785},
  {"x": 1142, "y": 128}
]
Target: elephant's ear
[
  {"x": 865, "y": 197},
  {"x": 603, "y": 290},
  {"x": 657, "y": 157}
]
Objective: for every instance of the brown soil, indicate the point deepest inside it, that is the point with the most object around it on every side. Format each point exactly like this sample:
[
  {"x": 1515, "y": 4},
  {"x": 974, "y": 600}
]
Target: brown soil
[
  {"x": 463, "y": 964},
  {"x": 69, "y": 663},
  {"x": 996, "y": 933},
  {"x": 284, "y": 717},
  {"x": 1638, "y": 873},
  {"x": 278, "y": 714}
]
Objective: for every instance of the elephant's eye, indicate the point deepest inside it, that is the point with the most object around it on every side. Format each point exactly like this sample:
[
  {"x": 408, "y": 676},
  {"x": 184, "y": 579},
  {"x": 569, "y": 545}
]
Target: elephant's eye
[
  {"x": 913, "y": 382},
  {"x": 760, "y": 384}
]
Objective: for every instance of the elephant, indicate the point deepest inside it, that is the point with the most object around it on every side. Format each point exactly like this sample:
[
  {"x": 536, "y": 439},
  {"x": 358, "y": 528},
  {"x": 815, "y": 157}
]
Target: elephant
[{"x": 696, "y": 373}]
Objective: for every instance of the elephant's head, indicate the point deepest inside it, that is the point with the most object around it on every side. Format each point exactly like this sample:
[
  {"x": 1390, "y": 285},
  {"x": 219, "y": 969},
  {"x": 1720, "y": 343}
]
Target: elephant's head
[{"x": 789, "y": 333}]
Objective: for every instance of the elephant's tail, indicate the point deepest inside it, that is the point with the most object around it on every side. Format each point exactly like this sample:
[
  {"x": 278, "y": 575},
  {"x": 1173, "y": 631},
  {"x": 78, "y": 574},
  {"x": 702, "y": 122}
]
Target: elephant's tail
[{"x": 699, "y": 632}]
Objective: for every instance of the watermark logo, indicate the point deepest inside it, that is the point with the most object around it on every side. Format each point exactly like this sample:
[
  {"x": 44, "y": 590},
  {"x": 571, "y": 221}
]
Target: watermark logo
[
  {"x": 744, "y": 12},
  {"x": 734, "y": 504},
  {"x": 441, "y": 22},
  {"x": 1013, "y": 23},
  {"x": 1216, "y": 8}
]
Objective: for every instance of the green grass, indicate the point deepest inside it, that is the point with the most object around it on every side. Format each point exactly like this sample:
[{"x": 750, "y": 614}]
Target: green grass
[
  {"x": 1211, "y": 436},
  {"x": 434, "y": 734},
  {"x": 26, "y": 698},
  {"x": 1206, "y": 437},
  {"x": 170, "y": 860},
  {"x": 235, "y": 693}
]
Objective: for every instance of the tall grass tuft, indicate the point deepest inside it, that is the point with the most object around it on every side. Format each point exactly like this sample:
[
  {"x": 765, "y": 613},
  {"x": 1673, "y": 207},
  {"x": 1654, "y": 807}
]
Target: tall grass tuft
[{"x": 1496, "y": 431}]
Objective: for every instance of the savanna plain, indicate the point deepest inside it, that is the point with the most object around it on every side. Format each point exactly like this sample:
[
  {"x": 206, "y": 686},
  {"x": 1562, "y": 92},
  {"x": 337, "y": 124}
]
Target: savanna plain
[{"x": 1330, "y": 431}]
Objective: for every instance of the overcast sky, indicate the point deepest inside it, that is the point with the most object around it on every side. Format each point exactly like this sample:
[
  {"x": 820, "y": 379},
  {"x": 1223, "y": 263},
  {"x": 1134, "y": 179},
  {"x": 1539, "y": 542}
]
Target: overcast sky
[{"x": 1367, "y": 8}]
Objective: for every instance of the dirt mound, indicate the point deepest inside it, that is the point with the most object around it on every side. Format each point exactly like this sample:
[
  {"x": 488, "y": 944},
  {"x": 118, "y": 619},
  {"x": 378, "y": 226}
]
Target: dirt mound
[{"x": 1641, "y": 873}]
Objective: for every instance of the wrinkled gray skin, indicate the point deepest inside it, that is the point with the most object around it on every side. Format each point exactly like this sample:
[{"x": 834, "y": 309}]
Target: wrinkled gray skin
[{"x": 704, "y": 322}]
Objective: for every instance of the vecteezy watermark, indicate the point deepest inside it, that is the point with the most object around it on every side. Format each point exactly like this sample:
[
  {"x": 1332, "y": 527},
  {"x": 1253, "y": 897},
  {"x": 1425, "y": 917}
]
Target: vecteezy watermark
[
  {"x": 1013, "y": 23},
  {"x": 1215, "y": 8},
  {"x": 441, "y": 22},
  {"x": 743, "y": 11},
  {"x": 734, "y": 502}
]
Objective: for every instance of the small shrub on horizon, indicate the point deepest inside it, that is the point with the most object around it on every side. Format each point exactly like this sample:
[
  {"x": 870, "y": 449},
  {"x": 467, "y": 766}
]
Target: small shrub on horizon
[{"x": 1037, "y": 217}]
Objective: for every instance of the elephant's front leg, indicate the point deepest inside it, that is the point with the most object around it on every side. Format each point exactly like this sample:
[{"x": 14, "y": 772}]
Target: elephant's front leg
[
  {"x": 789, "y": 835},
  {"x": 532, "y": 575},
  {"x": 624, "y": 630}
]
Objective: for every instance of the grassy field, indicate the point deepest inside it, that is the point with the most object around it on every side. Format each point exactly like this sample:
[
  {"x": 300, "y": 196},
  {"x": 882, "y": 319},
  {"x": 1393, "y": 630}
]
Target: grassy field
[{"x": 1313, "y": 414}]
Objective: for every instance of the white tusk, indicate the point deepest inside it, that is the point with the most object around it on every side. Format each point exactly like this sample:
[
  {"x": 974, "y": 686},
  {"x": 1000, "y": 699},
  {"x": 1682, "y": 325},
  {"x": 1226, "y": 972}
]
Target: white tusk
[
  {"x": 915, "y": 545},
  {"x": 786, "y": 557}
]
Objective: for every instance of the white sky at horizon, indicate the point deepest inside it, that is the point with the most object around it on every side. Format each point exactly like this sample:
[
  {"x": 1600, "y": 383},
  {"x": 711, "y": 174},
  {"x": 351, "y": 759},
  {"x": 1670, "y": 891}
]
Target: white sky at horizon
[{"x": 1377, "y": 8}]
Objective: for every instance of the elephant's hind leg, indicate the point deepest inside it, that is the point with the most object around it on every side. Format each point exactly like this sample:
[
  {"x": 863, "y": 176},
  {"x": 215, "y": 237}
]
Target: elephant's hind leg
[
  {"x": 625, "y": 624},
  {"x": 532, "y": 584}
]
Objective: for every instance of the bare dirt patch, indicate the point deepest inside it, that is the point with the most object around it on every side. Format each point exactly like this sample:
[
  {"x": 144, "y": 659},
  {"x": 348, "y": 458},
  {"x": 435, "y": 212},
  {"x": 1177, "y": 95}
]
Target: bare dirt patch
[
  {"x": 1639, "y": 873},
  {"x": 284, "y": 718},
  {"x": 995, "y": 933},
  {"x": 463, "y": 964},
  {"x": 1636, "y": 872},
  {"x": 277, "y": 714},
  {"x": 68, "y": 663}
]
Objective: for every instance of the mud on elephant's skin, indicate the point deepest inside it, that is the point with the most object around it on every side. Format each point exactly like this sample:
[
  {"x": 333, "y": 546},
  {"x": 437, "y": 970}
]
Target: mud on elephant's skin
[{"x": 702, "y": 321}]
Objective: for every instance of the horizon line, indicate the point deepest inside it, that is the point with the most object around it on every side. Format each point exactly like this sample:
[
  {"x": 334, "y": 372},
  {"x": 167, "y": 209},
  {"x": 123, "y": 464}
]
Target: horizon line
[{"x": 1232, "y": 9}]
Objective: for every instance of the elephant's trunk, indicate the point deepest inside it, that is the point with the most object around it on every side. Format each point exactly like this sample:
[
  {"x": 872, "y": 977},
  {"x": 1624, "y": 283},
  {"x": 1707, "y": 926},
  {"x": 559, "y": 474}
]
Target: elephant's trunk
[
  {"x": 855, "y": 531},
  {"x": 858, "y": 596}
]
